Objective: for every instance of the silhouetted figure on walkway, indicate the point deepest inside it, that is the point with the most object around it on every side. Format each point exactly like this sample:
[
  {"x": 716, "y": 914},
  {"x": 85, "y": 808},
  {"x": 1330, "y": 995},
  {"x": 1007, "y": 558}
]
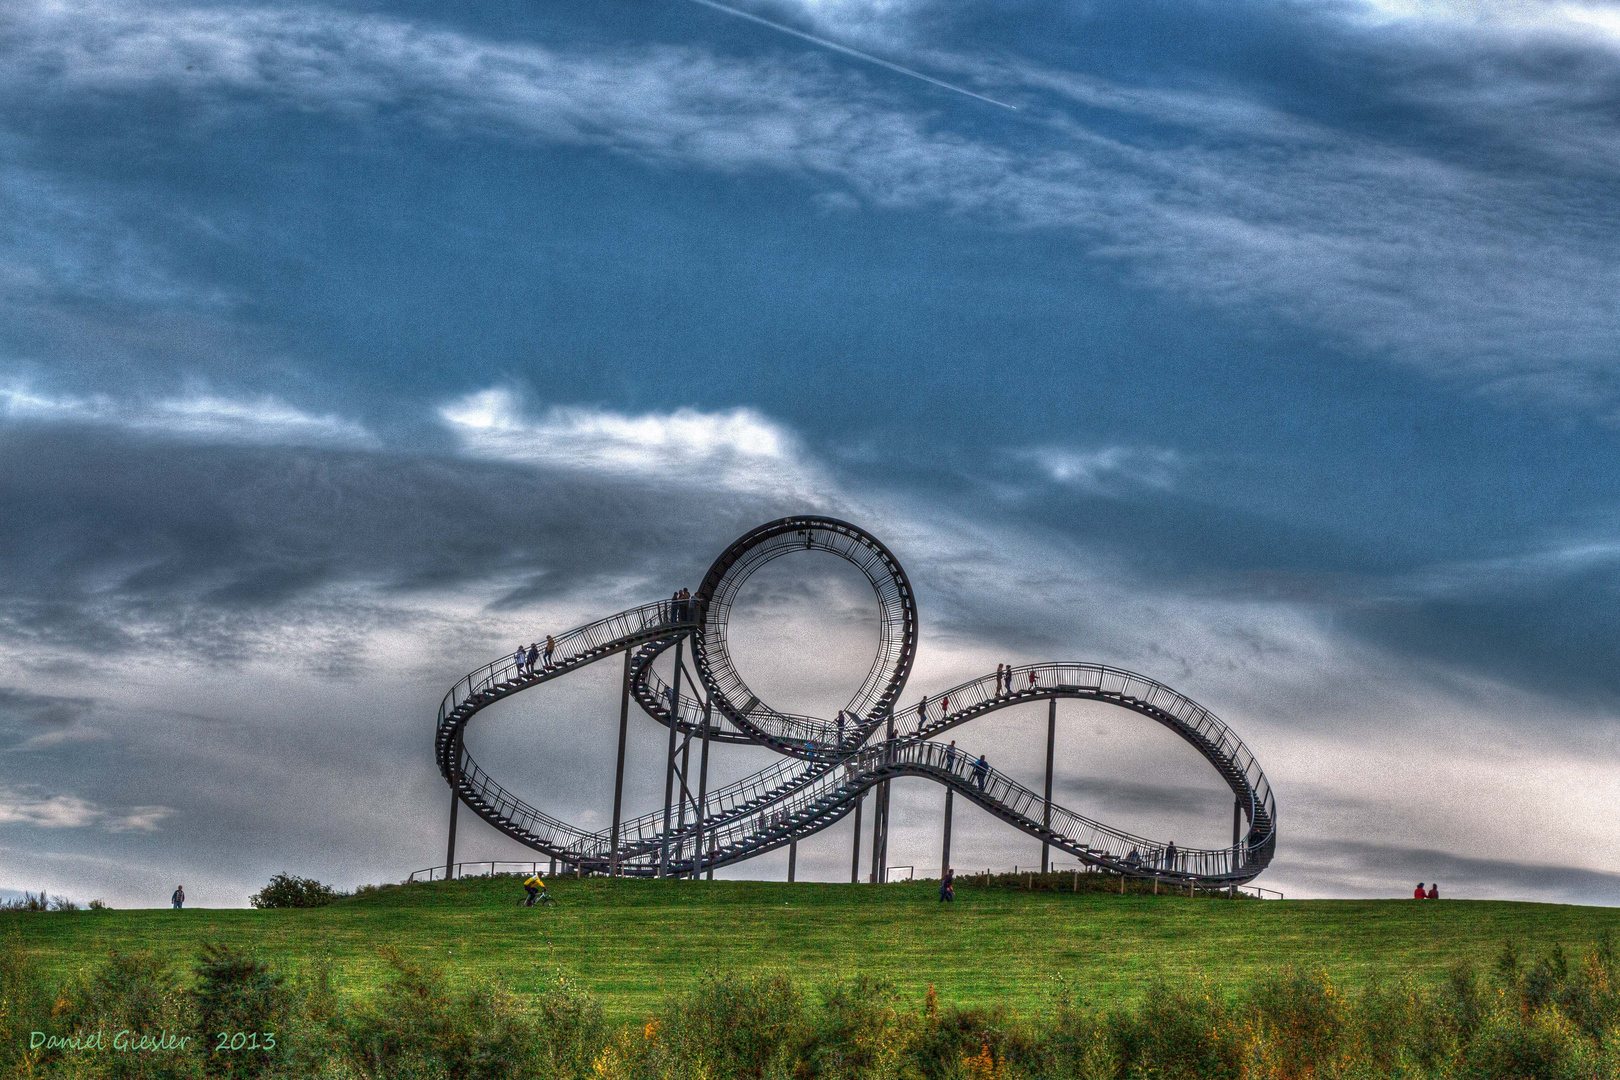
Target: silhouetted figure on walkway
[
  {"x": 981, "y": 770},
  {"x": 1032, "y": 680},
  {"x": 530, "y": 659},
  {"x": 1170, "y": 856},
  {"x": 922, "y": 711},
  {"x": 950, "y": 757},
  {"x": 551, "y": 647}
]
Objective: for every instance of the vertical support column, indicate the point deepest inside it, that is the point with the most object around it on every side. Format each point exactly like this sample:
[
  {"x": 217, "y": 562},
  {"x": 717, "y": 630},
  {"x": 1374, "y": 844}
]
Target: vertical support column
[
  {"x": 455, "y": 799},
  {"x": 669, "y": 771},
  {"x": 883, "y": 867},
  {"x": 618, "y": 772},
  {"x": 450, "y": 850},
  {"x": 703, "y": 789},
  {"x": 686, "y": 784},
  {"x": 877, "y": 831},
  {"x": 1046, "y": 815},
  {"x": 945, "y": 853},
  {"x": 793, "y": 858},
  {"x": 855, "y": 856},
  {"x": 1237, "y": 835}
]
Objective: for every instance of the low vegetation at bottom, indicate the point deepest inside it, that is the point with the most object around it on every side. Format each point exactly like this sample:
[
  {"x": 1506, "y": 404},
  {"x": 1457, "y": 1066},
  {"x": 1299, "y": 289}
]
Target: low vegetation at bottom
[{"x": 1553, "y": 1015}]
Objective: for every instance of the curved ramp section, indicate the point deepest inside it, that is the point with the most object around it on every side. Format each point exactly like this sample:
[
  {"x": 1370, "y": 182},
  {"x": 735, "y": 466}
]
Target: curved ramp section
[{"x": 827, "y": 765}]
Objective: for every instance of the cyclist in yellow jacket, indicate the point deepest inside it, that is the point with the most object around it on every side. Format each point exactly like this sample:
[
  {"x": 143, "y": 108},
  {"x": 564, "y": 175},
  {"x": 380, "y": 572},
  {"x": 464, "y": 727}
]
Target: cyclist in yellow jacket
[{"x": 536, "y": 886}]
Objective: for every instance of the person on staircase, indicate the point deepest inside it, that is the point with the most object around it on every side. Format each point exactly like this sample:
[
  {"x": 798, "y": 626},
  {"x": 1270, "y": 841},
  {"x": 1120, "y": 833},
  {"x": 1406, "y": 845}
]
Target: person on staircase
[{"x": 981, "y": 770}]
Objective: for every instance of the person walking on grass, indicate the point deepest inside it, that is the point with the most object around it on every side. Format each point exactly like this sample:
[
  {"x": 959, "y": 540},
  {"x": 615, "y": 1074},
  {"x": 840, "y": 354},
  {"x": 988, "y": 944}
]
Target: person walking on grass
[
  {"x": 179, "y": 897},
  {"x": 947, "y": 886}
]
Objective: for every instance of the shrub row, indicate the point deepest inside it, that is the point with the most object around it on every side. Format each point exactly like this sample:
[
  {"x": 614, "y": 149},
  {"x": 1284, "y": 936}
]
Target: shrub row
[{"x": 1555, "y": 1017}]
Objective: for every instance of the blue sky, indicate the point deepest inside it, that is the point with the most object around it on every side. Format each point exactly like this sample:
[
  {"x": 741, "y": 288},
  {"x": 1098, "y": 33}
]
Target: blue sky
[{"x": 1266, "y": 348}]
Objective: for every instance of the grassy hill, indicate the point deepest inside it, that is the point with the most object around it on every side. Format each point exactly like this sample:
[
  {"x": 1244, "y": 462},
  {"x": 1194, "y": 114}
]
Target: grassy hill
[{"x": 633, "y": 943}]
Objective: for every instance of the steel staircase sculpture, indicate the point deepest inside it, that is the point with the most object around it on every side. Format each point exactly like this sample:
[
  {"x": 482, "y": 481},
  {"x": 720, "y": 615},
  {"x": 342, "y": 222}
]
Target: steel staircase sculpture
[{"x": 828, "y": 765}]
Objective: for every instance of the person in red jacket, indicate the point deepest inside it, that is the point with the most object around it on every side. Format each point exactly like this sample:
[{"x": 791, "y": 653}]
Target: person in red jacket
[{"x": 1418, "y": 893}]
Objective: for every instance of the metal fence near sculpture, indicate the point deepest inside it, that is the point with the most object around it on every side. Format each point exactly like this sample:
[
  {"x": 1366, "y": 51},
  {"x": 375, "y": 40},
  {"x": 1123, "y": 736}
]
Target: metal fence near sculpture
[{"x": 827, "y": 765}]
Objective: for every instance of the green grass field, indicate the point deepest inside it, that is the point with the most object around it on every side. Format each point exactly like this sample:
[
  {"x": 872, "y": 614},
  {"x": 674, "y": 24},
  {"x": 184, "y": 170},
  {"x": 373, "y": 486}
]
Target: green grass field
[{"x": 634, "y": 943}]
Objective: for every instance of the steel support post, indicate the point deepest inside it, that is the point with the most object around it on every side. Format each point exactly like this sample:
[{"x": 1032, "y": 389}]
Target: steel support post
[
  {"x": 877, "y": 830},
  {"x": 669, "y": 771},
  {"x": 703, "y": 789},
  {"x": 618, "y": 772},
  {"x": 855, "y": 856},
  {"x": 883, "y": 849},
  {"x": 450, "y": 850},
  {"x": 945, "y": 853},
  {"x": 1046, "y": 814},
  {"x": 686, "y": 784},
  {"x": 1237, "y": 821},
  {"x": 793, "y": 858}
]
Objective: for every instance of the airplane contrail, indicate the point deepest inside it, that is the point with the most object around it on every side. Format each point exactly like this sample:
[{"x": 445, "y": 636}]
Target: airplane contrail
[{"x": 868, "y": 57}]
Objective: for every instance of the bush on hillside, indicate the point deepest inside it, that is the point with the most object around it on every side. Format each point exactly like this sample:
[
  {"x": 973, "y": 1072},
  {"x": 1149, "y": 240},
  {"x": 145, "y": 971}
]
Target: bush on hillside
[
  {"x": 237, "y": 992},
  {"x": 285, "y": 891}
]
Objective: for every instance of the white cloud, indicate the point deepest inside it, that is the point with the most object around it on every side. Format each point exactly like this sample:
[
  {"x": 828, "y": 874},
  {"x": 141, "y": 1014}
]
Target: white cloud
[
  {"x": 201, "y": 417},
  {"x": 73, "y": 812},
  {"x": 1111, "y": 469},
  {"x": 740, "y": 449},
  {"x": 1390, "y": 250}
]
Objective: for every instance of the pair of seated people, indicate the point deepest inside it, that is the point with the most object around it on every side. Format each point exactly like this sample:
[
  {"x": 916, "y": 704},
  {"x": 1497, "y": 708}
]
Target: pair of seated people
[{"x": 1432, "y": 894}]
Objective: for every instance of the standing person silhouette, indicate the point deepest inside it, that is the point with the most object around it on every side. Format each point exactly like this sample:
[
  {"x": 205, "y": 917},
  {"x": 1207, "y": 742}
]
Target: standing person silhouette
[
  {"x": 179, "y": 897},
  {"x": 947, "y": 885},
  {"x": 551, "y": 647},
  {"x": 981, "y": 770}
]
